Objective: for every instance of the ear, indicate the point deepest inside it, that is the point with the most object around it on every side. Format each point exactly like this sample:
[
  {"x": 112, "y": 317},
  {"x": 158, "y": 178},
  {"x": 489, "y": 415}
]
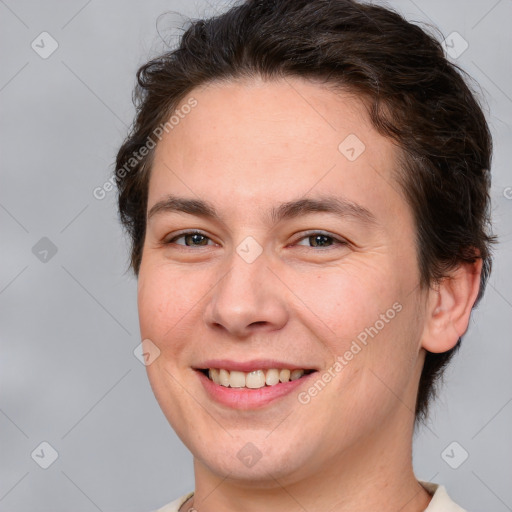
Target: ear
[{"x": 449, "y": 307}]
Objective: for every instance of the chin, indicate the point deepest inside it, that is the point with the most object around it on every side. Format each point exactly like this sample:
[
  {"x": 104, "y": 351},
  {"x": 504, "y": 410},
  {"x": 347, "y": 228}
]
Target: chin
[{"x": 253, "y": 462}]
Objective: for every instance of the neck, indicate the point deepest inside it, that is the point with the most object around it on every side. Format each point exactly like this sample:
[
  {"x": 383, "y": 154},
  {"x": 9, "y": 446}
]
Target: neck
[{"x": 375, "y": 474}]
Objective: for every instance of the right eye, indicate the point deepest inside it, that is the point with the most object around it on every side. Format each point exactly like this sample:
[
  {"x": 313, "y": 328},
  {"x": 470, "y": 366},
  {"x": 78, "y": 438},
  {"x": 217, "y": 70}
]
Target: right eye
[{"x": 191, "y": 239}]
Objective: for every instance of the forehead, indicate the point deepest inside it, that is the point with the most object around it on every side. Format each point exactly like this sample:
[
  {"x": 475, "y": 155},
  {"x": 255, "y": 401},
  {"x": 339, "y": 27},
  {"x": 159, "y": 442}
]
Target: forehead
[
  {"x": 253, "y": 141},
  {"x": 263, "y": 119}
]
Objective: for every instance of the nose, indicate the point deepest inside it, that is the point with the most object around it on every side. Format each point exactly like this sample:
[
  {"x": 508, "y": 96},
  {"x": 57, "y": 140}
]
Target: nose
[{"x": 247, "y": 299}]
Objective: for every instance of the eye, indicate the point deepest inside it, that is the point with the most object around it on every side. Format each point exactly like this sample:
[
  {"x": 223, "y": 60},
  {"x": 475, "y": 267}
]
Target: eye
[
  {"x": 191, "y": 239},
  {"x": 311, "y": 239},
  {"x": 319, "y": 239}
]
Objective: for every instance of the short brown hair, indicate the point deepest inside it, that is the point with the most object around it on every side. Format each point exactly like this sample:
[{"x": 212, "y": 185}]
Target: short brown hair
[{"x": 414, "y": 95}]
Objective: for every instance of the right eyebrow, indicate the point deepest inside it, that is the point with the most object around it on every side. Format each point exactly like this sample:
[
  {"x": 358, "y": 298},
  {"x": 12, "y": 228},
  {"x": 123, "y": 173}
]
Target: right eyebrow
[{"x": 176, "y": 204}]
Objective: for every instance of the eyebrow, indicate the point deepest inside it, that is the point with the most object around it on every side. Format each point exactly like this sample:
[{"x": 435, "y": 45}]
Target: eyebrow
[{"x": 285, "y": 211}]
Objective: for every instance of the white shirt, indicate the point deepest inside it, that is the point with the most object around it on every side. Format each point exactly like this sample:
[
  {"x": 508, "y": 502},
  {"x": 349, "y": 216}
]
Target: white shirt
[{"x": 440, "y": 501}]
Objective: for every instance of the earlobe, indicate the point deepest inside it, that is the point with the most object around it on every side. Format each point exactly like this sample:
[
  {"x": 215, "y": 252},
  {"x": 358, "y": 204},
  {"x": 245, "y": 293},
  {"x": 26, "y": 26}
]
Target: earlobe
[{"x": 449, "y": 307}]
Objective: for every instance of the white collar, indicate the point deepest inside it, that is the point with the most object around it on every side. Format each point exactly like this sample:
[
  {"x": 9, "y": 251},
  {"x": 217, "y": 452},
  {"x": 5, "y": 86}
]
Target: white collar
[{"x": 440, "y": 501}]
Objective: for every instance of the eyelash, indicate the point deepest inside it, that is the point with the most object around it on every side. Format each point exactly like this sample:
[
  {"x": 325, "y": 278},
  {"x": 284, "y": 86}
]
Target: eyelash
[{"x": 309, "y": 234}]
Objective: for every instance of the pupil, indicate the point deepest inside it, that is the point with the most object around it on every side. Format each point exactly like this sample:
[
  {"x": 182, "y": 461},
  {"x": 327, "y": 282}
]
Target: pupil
[
  {"x": 197, "y": 239},
  {"x": 319, "y": 239}
]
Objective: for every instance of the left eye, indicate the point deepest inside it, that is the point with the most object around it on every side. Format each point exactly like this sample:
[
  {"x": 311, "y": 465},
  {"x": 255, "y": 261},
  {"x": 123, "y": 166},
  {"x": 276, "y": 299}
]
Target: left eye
[{"x": 321, "y": 240}]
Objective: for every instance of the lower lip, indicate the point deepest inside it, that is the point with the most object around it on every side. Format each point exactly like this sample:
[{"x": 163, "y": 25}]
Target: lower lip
[{"x": 246, "y": 398}]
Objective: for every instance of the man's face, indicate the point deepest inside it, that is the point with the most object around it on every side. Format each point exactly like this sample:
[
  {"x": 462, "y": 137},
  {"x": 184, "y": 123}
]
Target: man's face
[{"x": 300, "y": 288}]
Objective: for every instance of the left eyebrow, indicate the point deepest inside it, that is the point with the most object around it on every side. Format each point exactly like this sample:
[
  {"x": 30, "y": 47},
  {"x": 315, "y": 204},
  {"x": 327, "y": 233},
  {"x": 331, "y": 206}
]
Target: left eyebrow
[
  {"x": 328, "y": 204},
  {"x": 292, "y": 209}
]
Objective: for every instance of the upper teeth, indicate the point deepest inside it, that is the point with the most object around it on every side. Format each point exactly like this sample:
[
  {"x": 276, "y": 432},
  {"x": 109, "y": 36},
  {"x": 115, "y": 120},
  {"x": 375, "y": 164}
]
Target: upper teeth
[{"x": 255, "y": 379}]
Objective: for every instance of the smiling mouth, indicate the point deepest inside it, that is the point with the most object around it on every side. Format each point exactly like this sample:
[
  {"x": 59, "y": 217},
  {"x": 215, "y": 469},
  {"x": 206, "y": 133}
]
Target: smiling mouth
[{"x": 255, "y": 379}]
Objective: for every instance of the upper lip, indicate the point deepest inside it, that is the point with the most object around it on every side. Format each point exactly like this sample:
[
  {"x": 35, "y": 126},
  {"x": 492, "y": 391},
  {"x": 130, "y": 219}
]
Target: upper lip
[{"x": 249, "y": 366}]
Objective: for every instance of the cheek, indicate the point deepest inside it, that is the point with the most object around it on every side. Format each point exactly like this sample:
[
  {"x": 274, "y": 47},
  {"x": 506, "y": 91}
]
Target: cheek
[
  {"x": 348, "y": 298},
  {"x": 166, "y": 299}
]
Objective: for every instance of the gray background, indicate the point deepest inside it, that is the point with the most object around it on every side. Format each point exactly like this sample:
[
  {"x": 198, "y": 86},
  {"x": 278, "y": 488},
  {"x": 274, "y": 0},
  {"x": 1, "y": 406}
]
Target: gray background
[{"x": 69, "y": 322}]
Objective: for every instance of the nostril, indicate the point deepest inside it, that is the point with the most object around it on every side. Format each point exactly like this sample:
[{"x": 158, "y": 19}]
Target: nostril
[{"x": 258, "y": 323}]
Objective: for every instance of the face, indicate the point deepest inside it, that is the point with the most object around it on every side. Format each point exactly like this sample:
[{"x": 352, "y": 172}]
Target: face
[{"x": 278, "y": 240}]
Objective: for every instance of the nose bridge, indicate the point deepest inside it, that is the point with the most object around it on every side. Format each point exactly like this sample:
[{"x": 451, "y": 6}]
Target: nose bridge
[{"x": 247, "y": 297}]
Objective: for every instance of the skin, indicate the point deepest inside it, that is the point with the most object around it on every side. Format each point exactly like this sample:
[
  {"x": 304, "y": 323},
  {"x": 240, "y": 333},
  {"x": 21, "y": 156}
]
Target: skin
[{"x": 246, "y": 147}]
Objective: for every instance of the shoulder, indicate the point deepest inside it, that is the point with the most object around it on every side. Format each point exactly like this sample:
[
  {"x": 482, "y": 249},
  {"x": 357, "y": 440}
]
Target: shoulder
[
  {"x": 441, "y": 501},
  {"x": 174, "y": 506}
]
